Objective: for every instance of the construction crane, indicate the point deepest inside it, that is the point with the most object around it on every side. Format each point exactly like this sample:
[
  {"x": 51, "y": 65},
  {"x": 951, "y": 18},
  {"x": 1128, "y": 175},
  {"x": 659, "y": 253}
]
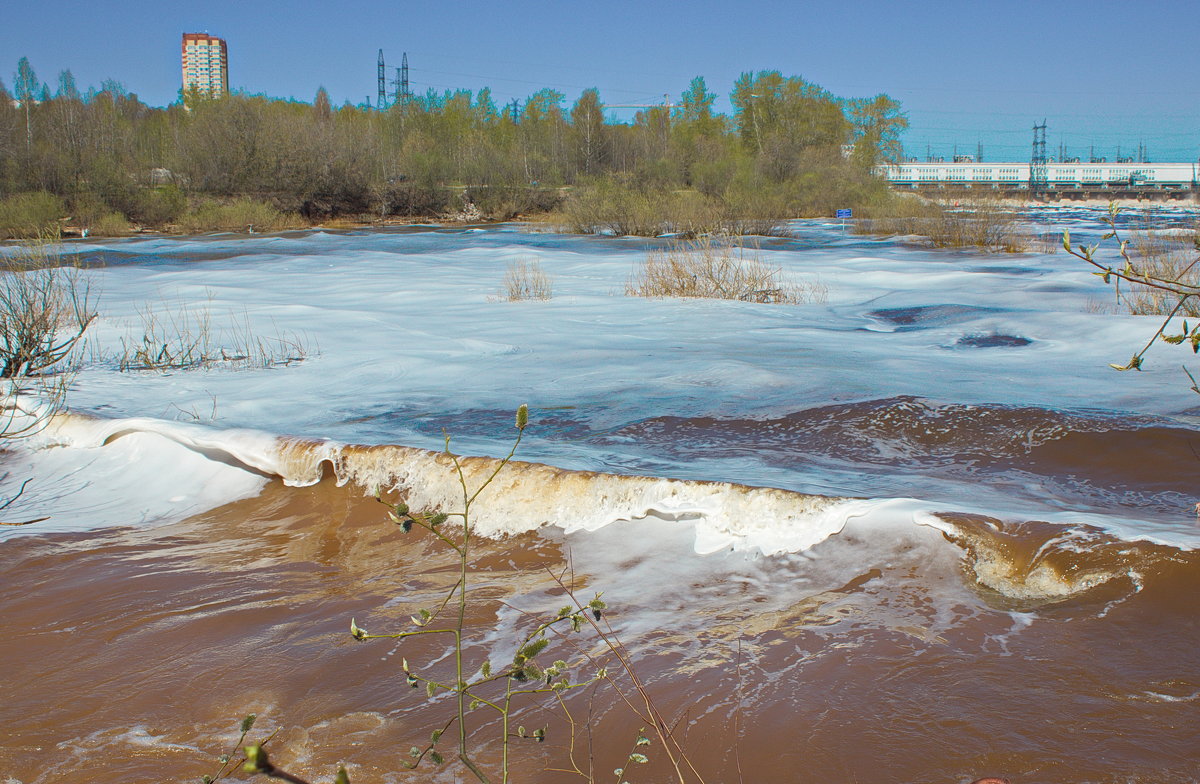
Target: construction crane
[{"x": 666, "y": 104}]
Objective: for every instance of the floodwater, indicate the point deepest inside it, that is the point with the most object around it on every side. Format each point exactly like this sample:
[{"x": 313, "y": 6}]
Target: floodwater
[{"x": 916, "y": 532}]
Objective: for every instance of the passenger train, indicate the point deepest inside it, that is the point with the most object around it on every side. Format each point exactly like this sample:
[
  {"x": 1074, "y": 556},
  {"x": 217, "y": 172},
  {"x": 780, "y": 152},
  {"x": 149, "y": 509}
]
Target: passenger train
[{"x": 1060, "y": 176}]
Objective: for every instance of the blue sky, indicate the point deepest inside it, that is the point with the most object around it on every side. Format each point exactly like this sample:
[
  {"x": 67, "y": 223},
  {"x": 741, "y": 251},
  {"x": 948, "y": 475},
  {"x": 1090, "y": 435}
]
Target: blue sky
[{"x": 1101, "y": 73}]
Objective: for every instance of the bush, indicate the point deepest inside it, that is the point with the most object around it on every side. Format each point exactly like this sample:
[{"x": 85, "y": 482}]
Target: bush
[
  {"x": 44, "y": 311},
  {"x": 239, "y": 215},
  {"x": 158, "y": 206},
  {"x": 109, "y": 225},
  {"x": 30, "y": 215},
  {"x": 718, "y": 269},
  {"x": 985, "y": 225},
  {"x": 413, "y": 201},
  {"x": 525, "y": 279},
  {"x": 501, "y": 203},
  {"x": 608, "y": 207}
]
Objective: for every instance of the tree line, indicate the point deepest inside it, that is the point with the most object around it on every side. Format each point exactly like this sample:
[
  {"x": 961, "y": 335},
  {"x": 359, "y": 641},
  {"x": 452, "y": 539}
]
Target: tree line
[{"x": 789, "y": 146}]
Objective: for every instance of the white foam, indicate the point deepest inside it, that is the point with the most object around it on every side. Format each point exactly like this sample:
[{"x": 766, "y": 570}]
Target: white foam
[
  {"x": 407, "y": 326},
  {"x": 94, "y": 479}
]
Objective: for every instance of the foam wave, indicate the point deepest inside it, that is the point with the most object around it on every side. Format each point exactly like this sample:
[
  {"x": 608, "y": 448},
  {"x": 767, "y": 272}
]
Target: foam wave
[
  {"x": 1033, "y": 563},
  {"x": 1029, "y": 563},
  {"x": 523, "y": 497}
]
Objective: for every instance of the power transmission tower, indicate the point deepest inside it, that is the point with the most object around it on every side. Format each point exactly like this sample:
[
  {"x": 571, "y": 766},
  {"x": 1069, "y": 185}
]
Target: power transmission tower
[
  {"x": 516, "y": 114},
  {"x": 402, "y": 92},
  {"x": 1038, "y": 175},
  {"x": 381, "y": 103},
  {"x": 405, "y": 92}
]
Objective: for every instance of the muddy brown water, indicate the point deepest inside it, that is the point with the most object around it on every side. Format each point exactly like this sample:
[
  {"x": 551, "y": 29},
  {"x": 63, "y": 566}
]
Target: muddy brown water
[{"x": 132, "y": 654}]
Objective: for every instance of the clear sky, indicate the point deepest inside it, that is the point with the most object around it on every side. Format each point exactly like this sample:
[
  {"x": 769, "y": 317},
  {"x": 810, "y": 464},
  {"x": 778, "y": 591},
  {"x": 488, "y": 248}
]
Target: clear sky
[{"x": 1100, "y": 72}]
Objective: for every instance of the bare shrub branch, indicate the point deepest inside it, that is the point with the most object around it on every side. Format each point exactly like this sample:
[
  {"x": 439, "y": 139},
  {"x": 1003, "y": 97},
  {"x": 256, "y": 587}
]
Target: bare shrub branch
[
  {"x": 1159, "y": 281},
  {"x": 45, "y": 309}
]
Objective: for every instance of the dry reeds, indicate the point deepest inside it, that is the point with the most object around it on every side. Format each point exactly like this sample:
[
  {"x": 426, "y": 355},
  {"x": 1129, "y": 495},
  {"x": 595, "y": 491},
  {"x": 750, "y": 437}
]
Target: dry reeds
[
  {"x": 718, "y": 269},
  {"x": 1164, "y": 258},
  {"x": 984, "y": 225},
  {"x": 525, "y": 279},
  {"x": 183, "y": 337}
]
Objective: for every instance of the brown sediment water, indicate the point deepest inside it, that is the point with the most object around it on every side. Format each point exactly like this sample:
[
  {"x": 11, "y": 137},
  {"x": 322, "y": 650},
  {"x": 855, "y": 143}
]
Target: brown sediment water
[{"x": 1026, "y": 650}]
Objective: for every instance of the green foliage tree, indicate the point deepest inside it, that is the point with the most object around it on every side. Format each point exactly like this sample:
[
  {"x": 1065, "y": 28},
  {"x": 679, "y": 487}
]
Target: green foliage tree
[
  {"x": 104, "y": 152},
  {"x": 26, "y": 87},
  {"x": 878, "y": 123},
  {"x": 322, "y": 108},
  {"x": 67, "y": 88},
  {"x": 588, "y": 133},
  {"x": 696, "y": 106}
]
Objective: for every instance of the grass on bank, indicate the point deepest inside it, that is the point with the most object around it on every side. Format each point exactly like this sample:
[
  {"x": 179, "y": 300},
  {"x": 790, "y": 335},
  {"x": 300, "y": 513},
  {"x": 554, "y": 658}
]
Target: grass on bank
[
  {"x": 241, "y": 214},
  {"x": 599, "y": 206},
  {"x": 30, "y": 215}
]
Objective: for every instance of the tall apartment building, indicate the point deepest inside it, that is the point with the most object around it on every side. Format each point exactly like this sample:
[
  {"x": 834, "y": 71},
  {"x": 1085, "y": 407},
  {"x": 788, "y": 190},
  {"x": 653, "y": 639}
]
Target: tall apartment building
[{"x": 205, "y": 64}]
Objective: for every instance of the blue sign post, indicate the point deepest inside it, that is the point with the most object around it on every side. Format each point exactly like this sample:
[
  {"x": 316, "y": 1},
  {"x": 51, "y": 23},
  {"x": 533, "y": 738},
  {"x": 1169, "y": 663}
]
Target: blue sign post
[{"x": 843, "y": 214}]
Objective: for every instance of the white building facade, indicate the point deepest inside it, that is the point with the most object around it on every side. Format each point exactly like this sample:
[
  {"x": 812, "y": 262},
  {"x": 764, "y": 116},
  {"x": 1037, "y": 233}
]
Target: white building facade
[{"x": 205, "y": 64}]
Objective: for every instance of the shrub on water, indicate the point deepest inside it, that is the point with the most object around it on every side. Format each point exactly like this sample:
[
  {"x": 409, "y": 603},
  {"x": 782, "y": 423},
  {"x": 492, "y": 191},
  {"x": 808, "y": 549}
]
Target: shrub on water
[
  {"x": 718, "y": 269},
  {"x": 987, "y": 225},
  {"x": 525, "y": 279},
  {"x": 29, "y": 215},
  {"x": 1151, "y": 278}
]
